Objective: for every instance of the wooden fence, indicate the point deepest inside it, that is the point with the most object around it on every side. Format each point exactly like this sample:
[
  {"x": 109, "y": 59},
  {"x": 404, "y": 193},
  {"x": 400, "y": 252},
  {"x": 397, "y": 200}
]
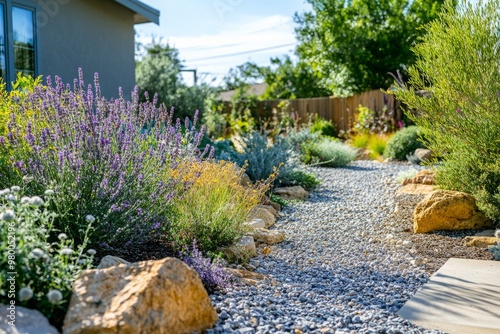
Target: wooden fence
[{"x": 342, "y": 111}]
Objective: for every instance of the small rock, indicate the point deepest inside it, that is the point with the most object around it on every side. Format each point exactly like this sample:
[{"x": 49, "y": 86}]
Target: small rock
[
  {"x": 425, "y": 177},
  {"x": 267, "y": 236},
  {"x": 244, "y": 249},
  {"x": 418, "y": 261},
  {"x": 245, "y": 180},
  {"x": 485, "y": 233},
  {"x": 271, "y": 210},
  {"x": 223, "y": 315},
  {"x": 27, "y": 321},
  {"x": 262, "y": 213},
  {"x": 256, "y": 223},
  {"x": 423, "y": 154},
  {"x": 291, "y": 193},
  {"x": 111, "y": 261},
  {"x": 483, "y": 242},
  {"x": 408, "y": 244},
  {"x": 416, "y": 189}
]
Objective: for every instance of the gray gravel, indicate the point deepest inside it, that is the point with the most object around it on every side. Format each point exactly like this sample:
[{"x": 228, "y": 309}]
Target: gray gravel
[{"x": 335, "y": 272}]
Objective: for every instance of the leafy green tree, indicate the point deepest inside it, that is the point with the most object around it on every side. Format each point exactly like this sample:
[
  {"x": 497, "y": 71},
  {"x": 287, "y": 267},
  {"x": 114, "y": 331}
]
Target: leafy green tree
[
  {"x": 458, "y": 64},
  {"x": 242, "y": 76},
  {"x": 351, "y": 45},
  {"x": 285, "y": 79},
  {"x": 159, "y": 72},
  {"x": 288, "y": 80}
]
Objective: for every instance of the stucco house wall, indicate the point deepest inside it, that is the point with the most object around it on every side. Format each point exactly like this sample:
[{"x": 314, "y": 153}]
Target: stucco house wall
[{"x": 96, "y": 35}]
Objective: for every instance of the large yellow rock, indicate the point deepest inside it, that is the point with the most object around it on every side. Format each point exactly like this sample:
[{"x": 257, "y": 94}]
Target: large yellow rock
[
  {"x": 448, "y": 210},
  {"x": 164, "y": 297}
]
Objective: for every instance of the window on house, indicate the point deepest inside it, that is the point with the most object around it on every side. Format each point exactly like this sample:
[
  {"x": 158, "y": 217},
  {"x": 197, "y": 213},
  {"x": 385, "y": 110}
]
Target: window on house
[
  {"x": 24, "y": 41},
  {"x": 18, "y": 40}
]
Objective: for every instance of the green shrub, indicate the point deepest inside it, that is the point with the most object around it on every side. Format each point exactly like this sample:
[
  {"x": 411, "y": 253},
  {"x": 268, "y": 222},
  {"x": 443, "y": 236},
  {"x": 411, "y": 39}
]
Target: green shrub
[
  {"x": 308, "y": 181},
  {"x": 213, "y": 210},
  {"x": 298, "y": 138},
  {"x": 323, "y": 127},
  {"x": 360, "y": 140},
  {"x": 279, "y": 200},
  {"x": 46, "y": 262},
  {"x": 458, "y": 65},
  {"x": 403, "y": 143},
  {"x": 377, "y": 145},
  {"x": 214, "y": 118},
  {"x": 263, "y": 159},
  {"x": 370, "y": 121},
  {"x": 330, "y": 153},
  {"x": 111, "y": 158}
]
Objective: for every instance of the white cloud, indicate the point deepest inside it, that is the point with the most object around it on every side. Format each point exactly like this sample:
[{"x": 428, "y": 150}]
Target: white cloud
[{"x": 253, "y": 34}]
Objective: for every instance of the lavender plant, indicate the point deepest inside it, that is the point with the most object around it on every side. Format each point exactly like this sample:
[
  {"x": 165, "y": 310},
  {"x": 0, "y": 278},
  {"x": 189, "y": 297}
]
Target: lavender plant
[
  {"x": 211, "y": 272},
  {"x": 111, "y": 157}
]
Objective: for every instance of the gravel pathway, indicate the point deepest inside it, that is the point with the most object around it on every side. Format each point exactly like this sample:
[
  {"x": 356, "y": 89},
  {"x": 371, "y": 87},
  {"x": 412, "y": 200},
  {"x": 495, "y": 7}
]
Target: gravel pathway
[{"x": 334, "y": 273}]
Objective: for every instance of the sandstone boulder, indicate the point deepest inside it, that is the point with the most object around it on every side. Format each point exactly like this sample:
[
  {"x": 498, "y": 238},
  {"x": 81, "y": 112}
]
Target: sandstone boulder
[
  {"x": 425, "y": 176},
  {"x": 416, "y": 189},
  {"x": 291, "y": 193},
  {"x": 164, "y": 296},
  {"x": 269, "y": 237},
  {"x": 423, "y": 154},
  {"x": 243, "y": 250},
  {"x": 267, "y": 201},
  {"x": 261, "y": 212},
  {"x": 271, "y": 210},
  {"x": 27, "y": 321},
  {"x": 245, "y": 180},
  {"x": 483, "y": 242},
  {"x": 256, "y": 223},
  {"x": 110, "y": 261},
  {"x": 275, "y": 205},
  {"x": 448, "y": 210},
  {"x": 246, "y": 277}
]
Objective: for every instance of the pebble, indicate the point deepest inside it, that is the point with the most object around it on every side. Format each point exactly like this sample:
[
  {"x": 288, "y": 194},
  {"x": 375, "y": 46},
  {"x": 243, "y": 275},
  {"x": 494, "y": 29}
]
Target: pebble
[{"x": 334, "y": 273}]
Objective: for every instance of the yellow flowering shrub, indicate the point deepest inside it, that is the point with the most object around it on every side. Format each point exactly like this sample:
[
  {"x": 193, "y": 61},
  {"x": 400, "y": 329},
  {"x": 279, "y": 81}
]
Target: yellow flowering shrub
[
  {"x": 212, "y": 211},
  {"x": 10, "y": 101}
]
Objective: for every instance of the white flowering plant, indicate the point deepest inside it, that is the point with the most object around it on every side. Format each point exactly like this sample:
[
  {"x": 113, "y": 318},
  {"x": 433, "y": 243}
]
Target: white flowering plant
[{"x": 38, "y": 263}]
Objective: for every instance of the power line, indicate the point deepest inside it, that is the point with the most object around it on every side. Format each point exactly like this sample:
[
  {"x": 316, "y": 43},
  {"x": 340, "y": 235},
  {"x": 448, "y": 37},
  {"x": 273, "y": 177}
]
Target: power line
[{"x": 242, "y": 53}]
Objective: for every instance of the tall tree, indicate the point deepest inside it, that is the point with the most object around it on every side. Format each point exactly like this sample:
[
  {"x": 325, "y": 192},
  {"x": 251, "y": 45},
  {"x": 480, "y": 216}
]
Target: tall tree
[
  {"x": 159, "y": 72},
  {"x": 285, "y": 79},
  {"x": 351, "y": 45},
  {"x": 289, "y": 80}
]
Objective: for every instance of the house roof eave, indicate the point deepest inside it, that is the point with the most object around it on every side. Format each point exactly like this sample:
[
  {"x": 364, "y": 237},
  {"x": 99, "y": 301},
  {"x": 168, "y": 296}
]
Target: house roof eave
[{"x": 143, "y": 12}]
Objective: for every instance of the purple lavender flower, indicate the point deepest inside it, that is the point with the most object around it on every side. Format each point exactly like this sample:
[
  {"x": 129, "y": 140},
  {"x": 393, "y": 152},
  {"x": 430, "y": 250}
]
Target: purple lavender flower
[
  {"x": 114, "y": 154},
  {"x": 211, "y": 272}
]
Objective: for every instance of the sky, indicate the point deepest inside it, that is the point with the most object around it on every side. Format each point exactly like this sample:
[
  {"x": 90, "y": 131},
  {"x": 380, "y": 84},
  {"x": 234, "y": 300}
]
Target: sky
[{"x": 213, "y": 36}]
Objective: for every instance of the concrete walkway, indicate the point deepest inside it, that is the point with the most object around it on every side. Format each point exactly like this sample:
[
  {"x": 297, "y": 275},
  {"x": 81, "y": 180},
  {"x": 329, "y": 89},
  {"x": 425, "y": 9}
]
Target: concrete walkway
[{"x": 463, "y": 297}]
